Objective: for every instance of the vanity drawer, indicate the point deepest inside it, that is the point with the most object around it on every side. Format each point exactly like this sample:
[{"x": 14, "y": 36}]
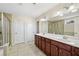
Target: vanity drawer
[
  {"x": 48, "y": 48},
  {"x": 39, "y": 37},
  {"x": 76, "y": 51},
  {"x": 61, "y": 45},
  {"x": 48, "y": 40},
  {"x": 43, "y": 38},
  {"x": 54, "y": 42}
]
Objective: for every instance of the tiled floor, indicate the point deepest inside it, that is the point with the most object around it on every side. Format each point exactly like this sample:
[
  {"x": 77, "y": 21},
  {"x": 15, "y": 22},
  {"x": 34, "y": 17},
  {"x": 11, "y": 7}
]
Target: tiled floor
[
  {"x": 24, "y": 49},
  {"x": 1, "y": 51}
]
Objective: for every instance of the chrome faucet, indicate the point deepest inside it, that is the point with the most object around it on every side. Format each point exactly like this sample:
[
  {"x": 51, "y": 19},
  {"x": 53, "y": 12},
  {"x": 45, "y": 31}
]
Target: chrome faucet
[{"x": 64, "y": 37}]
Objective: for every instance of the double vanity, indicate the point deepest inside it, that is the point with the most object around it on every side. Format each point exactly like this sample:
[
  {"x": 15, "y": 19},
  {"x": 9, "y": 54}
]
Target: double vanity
[{"x": 57, "y": 45}]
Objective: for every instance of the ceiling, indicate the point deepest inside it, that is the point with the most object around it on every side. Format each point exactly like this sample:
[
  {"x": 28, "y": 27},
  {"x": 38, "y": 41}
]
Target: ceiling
[
  {"x": 65, "y": 11},
  {"x": 26, "y": 9}
]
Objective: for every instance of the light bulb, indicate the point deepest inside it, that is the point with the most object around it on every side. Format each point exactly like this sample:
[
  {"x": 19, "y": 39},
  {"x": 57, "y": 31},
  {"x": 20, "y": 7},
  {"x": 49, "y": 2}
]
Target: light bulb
[
  {"x": 74, "y": 10},
  {"x": 71, "y": 7},
  {"x": 43, "y": 19}
]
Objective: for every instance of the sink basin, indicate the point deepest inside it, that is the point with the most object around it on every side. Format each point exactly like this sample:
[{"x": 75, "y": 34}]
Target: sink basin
[
  {"x": 65, "y": 38},
  {"x": 70, "y": 42}
]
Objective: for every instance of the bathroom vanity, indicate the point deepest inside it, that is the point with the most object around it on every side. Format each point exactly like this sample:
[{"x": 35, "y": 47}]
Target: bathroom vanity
[{"x": 57, "y": 45}]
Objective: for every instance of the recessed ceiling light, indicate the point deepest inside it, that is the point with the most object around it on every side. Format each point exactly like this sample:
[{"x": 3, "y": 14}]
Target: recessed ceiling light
[
  {"x": 34, "y": 3},
  {"x": 20, "y": 4},
  {"x": 43, "y": 19},
  {"x": 59, "y": 13}
]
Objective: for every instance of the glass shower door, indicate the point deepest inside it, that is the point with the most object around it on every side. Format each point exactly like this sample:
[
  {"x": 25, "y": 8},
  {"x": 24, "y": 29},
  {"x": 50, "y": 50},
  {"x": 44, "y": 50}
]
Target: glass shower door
[
  {"x": 5, "y": 30},
  {"x": 1, "y": 41}
]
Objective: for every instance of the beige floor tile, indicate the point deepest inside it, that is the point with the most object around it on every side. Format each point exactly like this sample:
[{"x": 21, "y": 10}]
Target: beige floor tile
[{"x": 24, "y": 49}]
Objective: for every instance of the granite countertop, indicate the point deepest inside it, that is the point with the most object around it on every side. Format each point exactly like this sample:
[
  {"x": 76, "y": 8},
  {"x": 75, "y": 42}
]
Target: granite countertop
[{"x": 62, "y": 38}]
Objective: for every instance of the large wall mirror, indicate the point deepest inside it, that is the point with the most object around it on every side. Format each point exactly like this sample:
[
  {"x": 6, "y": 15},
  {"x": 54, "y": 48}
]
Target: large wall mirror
[
  {"x": 67, "y": 26},
  {"x": 63, "y": 19}
]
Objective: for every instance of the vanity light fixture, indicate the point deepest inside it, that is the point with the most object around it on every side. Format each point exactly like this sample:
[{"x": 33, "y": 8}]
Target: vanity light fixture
[
  {"x": 71, "y": 7},
  {"x": 74, "y": 10},
  {"x": 43, "y": 19},
  {"x": 59, "y": 13}
]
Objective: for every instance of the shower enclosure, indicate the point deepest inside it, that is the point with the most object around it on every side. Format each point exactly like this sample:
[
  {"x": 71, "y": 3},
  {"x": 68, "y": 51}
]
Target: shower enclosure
[
  {"x": 1, "y": 41},
  {"x": 5, "y": 29}
]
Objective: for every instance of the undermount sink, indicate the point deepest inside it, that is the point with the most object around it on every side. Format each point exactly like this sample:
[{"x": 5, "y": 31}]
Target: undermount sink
[
  {"x": 71, "y": 43},
  {"x": 64, "y": 38}
]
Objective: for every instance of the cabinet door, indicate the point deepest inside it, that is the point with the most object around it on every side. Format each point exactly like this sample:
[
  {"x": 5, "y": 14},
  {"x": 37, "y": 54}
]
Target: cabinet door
[
  {"x": 54, "y": 50},
  {"x": 48, "y": 49},
  {"x": 35, "y": 40},
  {"x": 43, "y": 46},
  {"x": 40, "y": 43},
  {"x": 76, "y": 51},
  {"x": 63, "y": 52}
]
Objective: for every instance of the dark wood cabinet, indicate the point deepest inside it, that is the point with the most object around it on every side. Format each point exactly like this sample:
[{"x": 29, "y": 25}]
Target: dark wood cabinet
[
  {"x": 36, "y": 40},
  {"x": 43, "y": 45},
  {"x": 63, "y": 52},
  {"x": 61, "y": 45},
  {"x": 39, "y": 43},
  {"x": 48, "y": 49},
  {"x": 48, "y": 45},
  {"x": 75, "y": 51},
  {"x": 54, "y": 50}
]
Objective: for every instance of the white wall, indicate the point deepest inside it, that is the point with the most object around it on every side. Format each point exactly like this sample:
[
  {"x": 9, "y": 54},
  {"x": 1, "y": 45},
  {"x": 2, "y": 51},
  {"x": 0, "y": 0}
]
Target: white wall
[{"x": 29, "y": 27}]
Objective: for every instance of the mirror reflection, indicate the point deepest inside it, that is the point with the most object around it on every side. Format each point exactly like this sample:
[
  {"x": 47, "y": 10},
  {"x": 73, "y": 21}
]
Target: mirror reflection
[{"x": 63, "y": 21}]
